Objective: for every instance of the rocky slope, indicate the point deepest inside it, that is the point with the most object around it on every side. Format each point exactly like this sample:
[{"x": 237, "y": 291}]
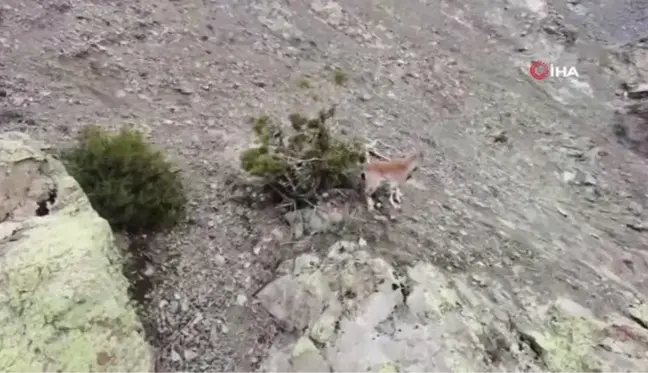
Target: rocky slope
[{"x": 358, "y": 314}]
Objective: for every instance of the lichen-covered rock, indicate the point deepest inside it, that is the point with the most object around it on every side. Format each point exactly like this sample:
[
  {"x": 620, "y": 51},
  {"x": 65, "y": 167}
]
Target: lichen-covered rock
[
  {"x": 572, "y": 338},
  {"x": 63, "y": 300},
  {"x": 357, "y": 313}
]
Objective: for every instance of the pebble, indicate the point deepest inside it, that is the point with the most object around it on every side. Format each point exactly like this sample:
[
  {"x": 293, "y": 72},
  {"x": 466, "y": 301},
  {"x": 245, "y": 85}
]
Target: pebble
[
  {"x": 568, "y": 176},
  {"x": 17, "y": 100},
  {"x": 175, "y": 356},
  {"x": 190, "y": 354},
  {"x": 185, "y": 89},
  {"x": 589, "y": 180},
  {"x": 219, "y": 259},
  {"x": 640, "y": 91},
  {"x": 174, "y": 306},
  {"x": 365, "y": 96}
]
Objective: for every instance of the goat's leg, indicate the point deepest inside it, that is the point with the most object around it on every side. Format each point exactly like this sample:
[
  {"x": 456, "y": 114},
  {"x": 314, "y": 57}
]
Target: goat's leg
[
  {"x": 392, "y": 199},
  {"x": 399, "y": 195},
  {"x": 370, "y": 203}
]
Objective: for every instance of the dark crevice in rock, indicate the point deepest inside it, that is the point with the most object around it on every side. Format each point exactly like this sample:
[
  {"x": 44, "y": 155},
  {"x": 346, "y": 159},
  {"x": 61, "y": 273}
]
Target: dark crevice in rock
[
  {"x": 8, "y": 115},
  {"x": 530, "y": 341},
  {"x": 317, "y": 343},
  {"x": 53, "y": 194},
  {"x": 495, "y": 346},
  {"x": 406, "y": 290},
  {"x": 43, "y": 208},
  {"x": 630, "y": 127},
  {"x": 141, "y": 283},
  {"x": 637, "y": 320}
]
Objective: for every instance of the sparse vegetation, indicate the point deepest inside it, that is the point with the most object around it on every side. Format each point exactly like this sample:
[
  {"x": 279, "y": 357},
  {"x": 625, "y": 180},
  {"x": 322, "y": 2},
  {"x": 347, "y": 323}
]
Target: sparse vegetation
[
  {"x": 128, "y": 182},
  {"x": 340, "y": 77},
  {"x": 295, "y": 168},
  {"x": 304, "y": 83}
]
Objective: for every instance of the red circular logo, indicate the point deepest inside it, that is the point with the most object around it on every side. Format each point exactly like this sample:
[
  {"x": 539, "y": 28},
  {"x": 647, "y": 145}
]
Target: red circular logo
[{"x": 539, "y": 70}]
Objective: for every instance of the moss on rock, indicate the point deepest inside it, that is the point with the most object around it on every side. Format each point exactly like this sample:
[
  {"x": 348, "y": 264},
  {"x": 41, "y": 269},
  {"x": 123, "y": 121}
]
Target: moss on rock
[{"x": 63, "y": 300}]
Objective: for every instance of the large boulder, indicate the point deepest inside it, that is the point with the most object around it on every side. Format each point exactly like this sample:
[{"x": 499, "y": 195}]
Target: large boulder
[
  {"x": 63, "y": 299},
  {"x": 353, "y": 312}
]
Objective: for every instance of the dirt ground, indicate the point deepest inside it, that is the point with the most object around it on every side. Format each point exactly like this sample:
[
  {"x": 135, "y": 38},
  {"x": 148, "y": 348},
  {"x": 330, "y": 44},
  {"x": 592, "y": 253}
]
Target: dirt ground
[{"x": 521, "y": 181}]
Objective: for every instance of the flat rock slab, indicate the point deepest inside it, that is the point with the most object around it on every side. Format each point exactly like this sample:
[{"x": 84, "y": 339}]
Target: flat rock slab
[{"x": 63, "y": 300}]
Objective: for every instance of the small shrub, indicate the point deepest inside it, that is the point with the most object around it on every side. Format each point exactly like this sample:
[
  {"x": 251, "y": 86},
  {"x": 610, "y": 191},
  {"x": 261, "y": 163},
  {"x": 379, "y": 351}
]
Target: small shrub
[
  {"x": 296, "y": 167},
  {"x": 128, "y": 183},
  {"x": 304, "y": 83},
  {"x": 340, "y": 77}
]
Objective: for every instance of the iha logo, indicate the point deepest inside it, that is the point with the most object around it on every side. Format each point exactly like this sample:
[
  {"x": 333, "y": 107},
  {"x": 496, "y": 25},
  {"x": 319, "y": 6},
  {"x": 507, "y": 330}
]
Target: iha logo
[{"x": 540, "y": 70}]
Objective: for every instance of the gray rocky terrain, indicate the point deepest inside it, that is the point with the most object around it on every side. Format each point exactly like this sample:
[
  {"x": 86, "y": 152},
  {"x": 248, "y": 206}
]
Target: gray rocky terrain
[
  {"x": 64, "y": 302},
  {"x": 523, "y": 239}
]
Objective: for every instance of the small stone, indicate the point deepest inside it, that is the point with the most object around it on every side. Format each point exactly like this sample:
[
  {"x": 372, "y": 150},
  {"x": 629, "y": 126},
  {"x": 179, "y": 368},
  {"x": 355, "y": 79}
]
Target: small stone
[
  {"x": 149, "y": 271},
  {"x": 635, "y": 208},
  {"x": 638, "y": 226},
  {"x": 120, "y": 94},
  {"x": 568, "y": 176},
  {"x": 292, "y": 216},
  {"x": 336, "y": 217},
  {"x": 174, "y": 306},
  {"x": 365, "y": 96},
  {"x": 362, "y": 242},
  {"x": 277, "y": 234},
  {"x": 501, "y": 137},
  {"x": 305, "y": 262},
  {"x": 190, "y": 355},
  {"x": 175, "y": 356},
  {"x": 477, "y": 280},
  {"x": 589, "y": 180},
  {"x": 17, "y": 101},
  {"x": 639, "y": 92},
  {"x": 185, "y": 89},
  {"x": 298, "y": 230},
  {"x": 219, "y": 260},
  {"x": 241, "y": 299},
  {"x": 562, "y": 212},
  {"x": 319, "y": 222}
]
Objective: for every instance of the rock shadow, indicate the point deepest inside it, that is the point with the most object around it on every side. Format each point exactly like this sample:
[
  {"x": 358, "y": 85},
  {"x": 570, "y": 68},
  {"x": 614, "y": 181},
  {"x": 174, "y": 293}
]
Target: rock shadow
[{"x": 630, "y": 127}]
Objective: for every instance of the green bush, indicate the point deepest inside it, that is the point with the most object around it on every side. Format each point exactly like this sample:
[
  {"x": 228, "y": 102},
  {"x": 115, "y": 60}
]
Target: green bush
[
  {"x": 298, "y": 166},
  {"x": 128, "y": 182}
]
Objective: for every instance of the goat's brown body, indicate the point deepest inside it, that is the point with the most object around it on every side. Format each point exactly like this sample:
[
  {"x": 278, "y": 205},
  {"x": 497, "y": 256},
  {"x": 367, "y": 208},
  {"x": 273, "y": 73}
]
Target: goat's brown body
[{"x": 394, "y": 172}]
